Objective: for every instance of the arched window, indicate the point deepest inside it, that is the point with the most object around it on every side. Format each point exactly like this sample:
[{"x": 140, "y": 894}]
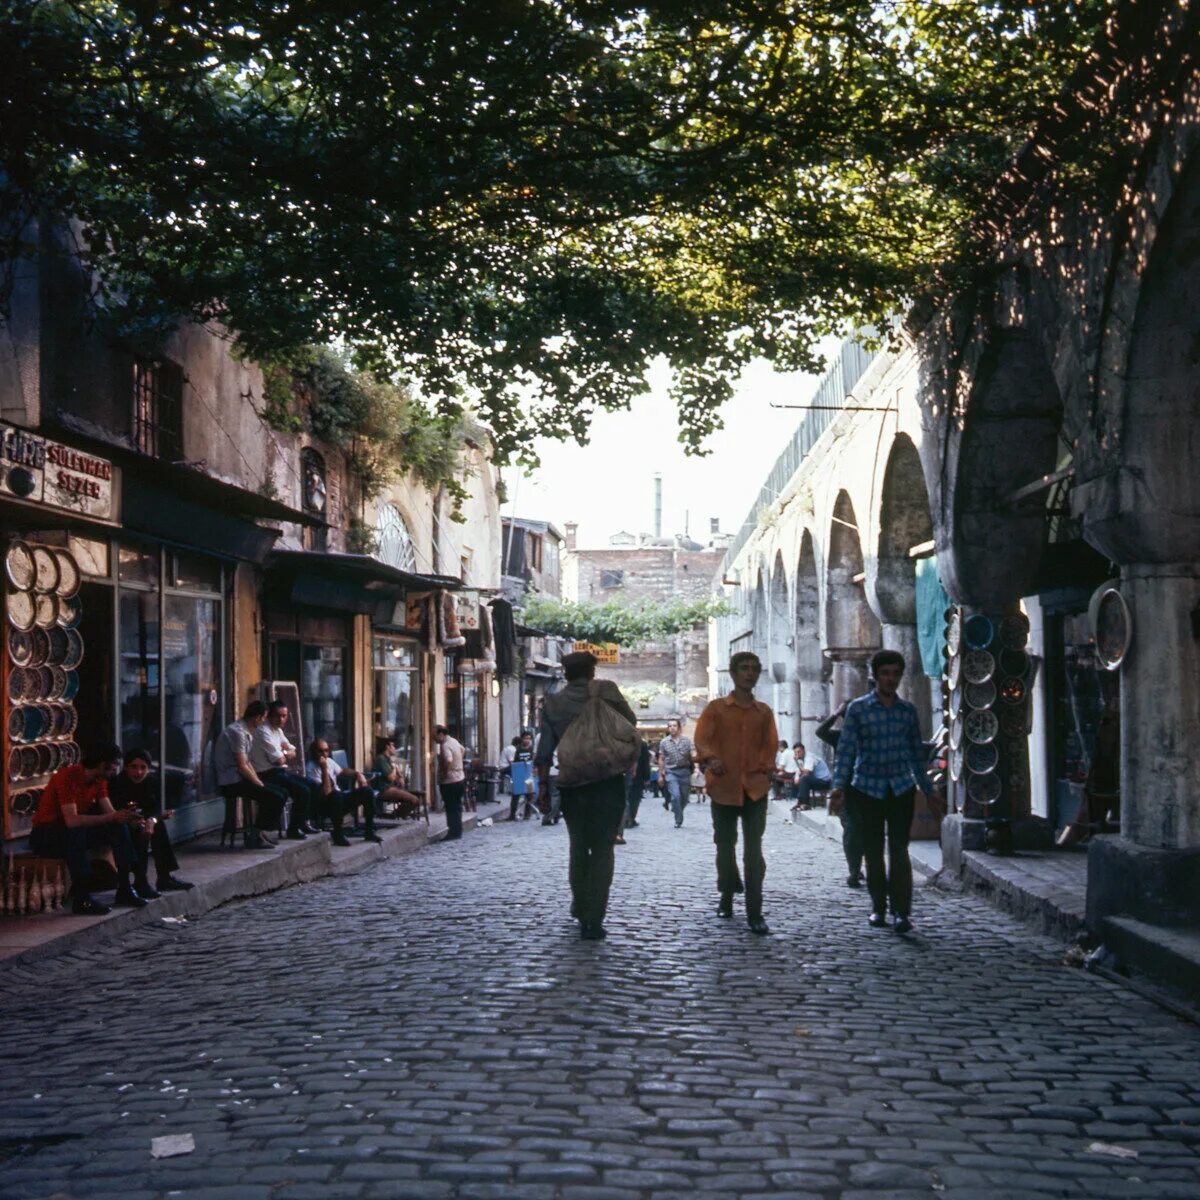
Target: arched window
[
  {"x": 395, "y": 542},
  {"x": 312, "y": 475}
]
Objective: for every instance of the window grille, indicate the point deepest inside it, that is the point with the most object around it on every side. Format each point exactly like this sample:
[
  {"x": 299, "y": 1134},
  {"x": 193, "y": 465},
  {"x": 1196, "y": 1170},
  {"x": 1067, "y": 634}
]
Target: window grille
[{"x": 158, "y": 408}]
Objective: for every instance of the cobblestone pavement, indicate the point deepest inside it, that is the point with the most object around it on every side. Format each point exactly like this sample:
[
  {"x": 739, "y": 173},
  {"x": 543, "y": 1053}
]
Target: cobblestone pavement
[{"x": 435, "y": 1028}]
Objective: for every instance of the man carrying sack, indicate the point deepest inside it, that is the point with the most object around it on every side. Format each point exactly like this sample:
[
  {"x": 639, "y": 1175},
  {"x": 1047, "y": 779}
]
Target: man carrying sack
[{"x": 595, "y": 734}]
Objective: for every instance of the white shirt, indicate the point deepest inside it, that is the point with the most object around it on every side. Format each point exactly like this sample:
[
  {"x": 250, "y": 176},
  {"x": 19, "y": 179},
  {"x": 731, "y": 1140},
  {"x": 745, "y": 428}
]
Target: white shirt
[
  {"x": 269, "y": 748},
  {"x": 785, "y": 761},
  {"x": 450, "y": 755},
  {"x": 508, "y": 755}
]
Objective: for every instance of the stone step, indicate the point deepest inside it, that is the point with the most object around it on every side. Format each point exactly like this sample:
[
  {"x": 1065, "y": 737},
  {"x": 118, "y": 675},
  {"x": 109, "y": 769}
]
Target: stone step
[{"x": 1171, "y": 955}]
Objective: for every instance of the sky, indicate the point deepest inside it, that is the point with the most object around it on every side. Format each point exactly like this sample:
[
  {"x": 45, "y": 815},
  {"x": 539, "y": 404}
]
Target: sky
[{"x": 608, "y": 485}]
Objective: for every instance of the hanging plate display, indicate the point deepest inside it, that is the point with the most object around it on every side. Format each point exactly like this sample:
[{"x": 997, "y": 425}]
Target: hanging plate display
[
  {"x": 45, "y": 605},
  {"x": 16, "y": 724},
  {"x": 956, "y": 764},
  {"x": 20, "y": 647},
  {"x": 19, "y": 566},
  {"x": 981, "y": 726},
  {"x": 980, "y": 695},
  {"x": 956, "y": 733},
  {"x": 71, "y": 690},
  {"x": 953, "y": 631},
  {"x": 45, "y": 568},
  {"x": 954, "y": 671},
  {"x": 21, "y": 611},
  {"x": 978, "y": 666},
  {"x": 14, "y": 764},
  {"x": 984, "y": 789},
  {"x": 1014, "y": 632},
  {"x": 978, "y": 631},
  {"x": 68, "y": 573},
  {"x": 69, "y": 611},
  {"x": 24, "y": 804},
  {"x": 1112, "y": 624},
  {"x": 982, "y": 760},
  {"x": 74, "y": 654},
  {"x": 1012, "y": 691},
  {"x": 1014, "y": 663},
  {"x": 956, "y": 700}
]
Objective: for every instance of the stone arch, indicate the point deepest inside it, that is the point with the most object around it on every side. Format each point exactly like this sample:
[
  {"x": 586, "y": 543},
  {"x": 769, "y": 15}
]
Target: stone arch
[
  {"x": 811, "y": 692},
  {"x": 851, "y": 628},
  {"x": 758, "y": 618},
  {"x": 778, "y": 622},
  {"x": 1010, "y": 438},
  {"x": 904, "y": 521}
]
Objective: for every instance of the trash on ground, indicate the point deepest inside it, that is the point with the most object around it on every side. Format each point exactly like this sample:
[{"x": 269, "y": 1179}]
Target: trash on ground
[
  {"x": 1111, "y": 1150},
  {"x": 485, "y": 823},
  {"x": 173, "y": 920},
  {"x": 171, "y": 1145}
]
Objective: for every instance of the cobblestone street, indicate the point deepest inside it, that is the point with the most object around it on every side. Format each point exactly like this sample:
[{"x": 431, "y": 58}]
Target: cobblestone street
[{"x": 435, "y": 1028}]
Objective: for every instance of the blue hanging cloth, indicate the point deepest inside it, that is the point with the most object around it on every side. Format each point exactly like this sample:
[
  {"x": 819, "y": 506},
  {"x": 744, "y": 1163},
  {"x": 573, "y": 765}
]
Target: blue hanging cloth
[{"x": 932, "y": 603}]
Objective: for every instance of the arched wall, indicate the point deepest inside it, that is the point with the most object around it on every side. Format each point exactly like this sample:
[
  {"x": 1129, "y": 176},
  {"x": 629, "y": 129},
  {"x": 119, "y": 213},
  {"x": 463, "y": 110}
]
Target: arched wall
[{"x": 851, "y": 628}]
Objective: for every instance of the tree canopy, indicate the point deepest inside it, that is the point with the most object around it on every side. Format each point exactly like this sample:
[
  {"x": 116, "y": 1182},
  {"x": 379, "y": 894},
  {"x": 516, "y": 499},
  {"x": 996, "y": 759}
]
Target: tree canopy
[
  {"x": 521, "y": 202},
  {"x": 614, "y": 623}
]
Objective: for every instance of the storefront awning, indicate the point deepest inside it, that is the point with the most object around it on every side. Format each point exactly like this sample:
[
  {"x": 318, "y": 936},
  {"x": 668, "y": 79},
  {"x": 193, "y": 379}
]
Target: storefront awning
[{"x": 350, "y": 582}]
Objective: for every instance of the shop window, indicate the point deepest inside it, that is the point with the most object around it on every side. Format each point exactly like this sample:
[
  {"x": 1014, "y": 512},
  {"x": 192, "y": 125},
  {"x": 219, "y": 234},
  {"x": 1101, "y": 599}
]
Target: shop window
[
  {"x": 158, "y": 408},
  {"x": 397, "y": 702},
  {"x": 319, "y": 671}
]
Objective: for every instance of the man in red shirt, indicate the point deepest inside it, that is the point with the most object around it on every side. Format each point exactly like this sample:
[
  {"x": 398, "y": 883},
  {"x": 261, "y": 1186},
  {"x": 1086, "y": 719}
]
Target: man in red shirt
[
  {"x": 75, "y": 814},
  {"x": 735, "y": 744}
]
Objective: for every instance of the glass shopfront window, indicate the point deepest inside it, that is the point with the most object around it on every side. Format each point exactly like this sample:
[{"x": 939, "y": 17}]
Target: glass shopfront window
[
  {"x": 165, "y": 658},
  {"x": 397, "y": 702}
]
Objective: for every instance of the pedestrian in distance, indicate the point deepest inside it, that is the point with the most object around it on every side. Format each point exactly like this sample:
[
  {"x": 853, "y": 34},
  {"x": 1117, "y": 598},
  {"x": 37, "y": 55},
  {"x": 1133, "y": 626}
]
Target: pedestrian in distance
[
  {"x": 452, "y": 780},
  {"x": 237, "y": 778},
  {"x": 137, "y": 788},
  {"x": 593, "y": 808},
  {"x": 881, "y": 760},
  {"x": 812, "y": 775},
  {"x": 636, "y": 778},
  {"x": 676, "y": 754},
  {"x": 736, "y": 741}
]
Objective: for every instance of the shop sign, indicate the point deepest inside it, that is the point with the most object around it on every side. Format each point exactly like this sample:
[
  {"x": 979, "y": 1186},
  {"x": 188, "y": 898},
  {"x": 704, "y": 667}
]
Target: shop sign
[
  {"x": 608, "y": 654},
  {"x": 39, "y": 471},
  {"x": 466, "y": 607}
]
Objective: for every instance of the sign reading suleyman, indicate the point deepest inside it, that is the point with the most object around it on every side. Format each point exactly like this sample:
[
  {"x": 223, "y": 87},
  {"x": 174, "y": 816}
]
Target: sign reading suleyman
[{"x": 39, "y": 471}]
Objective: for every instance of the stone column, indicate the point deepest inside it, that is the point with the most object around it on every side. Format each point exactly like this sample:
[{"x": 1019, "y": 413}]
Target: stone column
[
  {"x": 914, "y": 687},
  {"x": 812, "y": 707}
]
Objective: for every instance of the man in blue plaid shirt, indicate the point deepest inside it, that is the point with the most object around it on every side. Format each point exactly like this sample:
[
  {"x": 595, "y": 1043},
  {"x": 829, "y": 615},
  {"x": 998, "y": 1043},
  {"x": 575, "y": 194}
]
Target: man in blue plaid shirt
[{"x": 882, "y": 757}]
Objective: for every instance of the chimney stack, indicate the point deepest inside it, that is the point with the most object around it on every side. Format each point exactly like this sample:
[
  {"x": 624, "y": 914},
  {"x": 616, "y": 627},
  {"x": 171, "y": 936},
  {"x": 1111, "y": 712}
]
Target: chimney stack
[
  {"x": 657, "y": 505},
  {"x": 570, "y": 529}
]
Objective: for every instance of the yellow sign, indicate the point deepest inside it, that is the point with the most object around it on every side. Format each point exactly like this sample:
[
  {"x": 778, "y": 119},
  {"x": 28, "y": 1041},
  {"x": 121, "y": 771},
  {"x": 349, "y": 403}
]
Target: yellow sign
[{"x": 608, "y": 655}]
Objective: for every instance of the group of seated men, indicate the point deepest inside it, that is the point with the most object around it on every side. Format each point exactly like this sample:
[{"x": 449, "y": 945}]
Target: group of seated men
[
  {"x": 798, "y": 775},
  {"x": 255, "y": 760}
]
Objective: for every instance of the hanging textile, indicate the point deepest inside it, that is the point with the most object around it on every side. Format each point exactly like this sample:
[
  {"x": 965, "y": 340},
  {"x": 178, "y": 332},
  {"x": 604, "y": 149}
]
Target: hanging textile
[
  {"x": 932, "y": 603},
  {"x": 448, "y": 631},
  {"x": 505, "y": 629}
]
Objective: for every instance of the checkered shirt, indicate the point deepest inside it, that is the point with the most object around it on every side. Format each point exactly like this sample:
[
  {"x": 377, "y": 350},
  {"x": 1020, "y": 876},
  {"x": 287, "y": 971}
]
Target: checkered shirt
[{"x": 881, "y": 748}]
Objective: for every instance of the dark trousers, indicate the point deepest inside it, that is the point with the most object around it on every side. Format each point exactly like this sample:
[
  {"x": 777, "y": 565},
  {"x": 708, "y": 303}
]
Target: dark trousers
[
  {"x": 57, "y": 841},
  {"x": 268, "y": 801},
  {"x": 305, "y": 797},
  {"x": 353, "y": 800},
  {"x": 452, "y": 802},
  {"x": 593, "y": 815},
  {"x": 803, "y": 791},
  {"x": 158, "y": 845},
  {"x": 852, "y": 836},
  {"x": 892, "y": 815},
  {"x": 753, "y": 818}
]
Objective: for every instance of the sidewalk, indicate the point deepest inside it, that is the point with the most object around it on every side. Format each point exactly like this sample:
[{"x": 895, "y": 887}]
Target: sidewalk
[
  {"x": 926, "y": 856},
  {"x": 221, "y": 875}
]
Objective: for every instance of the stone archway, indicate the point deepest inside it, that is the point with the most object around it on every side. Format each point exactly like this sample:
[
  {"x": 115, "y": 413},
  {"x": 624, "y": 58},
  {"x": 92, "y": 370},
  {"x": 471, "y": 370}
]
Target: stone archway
[
  {"x": 759, "y": 621},
  {"x": 812, "y": 692},
  {"x": 852, "y": 630},
  {"x": 777, "y": 667},
  {"x": 905, "y": 521}
]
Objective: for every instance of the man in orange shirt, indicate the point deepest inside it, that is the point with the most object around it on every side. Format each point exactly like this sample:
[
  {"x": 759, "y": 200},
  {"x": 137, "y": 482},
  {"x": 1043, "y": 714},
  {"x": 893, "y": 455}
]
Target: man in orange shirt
[
  {"x": 75, "y": 813},
  {"x": 735, "y": 744}
]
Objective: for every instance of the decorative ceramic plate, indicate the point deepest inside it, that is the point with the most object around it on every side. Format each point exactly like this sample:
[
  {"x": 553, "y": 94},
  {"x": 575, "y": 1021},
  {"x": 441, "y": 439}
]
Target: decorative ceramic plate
[
  {"x": 59, "y": 684},
  {"x": 69, "y": 611},
  {"x": 1012, "y": 691},
  {"x": 956, "y": 733},
  {"x": 984, "y": 789},
  {"x": 1014, "y": 663},
  {"x": 21, "y": 611},
  {"x": 978, "y": 666},
  {"x": 72, "y": 687},
  {"x": 978, "y": 631},
  {"x": 68, "y": 573},
  {"x": 20, "y": 647},
  {"x": 74, "y": 650},
  {"x": 24, "y": 804},
  {"x": 1014, "y": 632},
  {"x": 981, "y": 726},
  {"x": 953, "y": 631},
  {"x": 982, "y": 760},
  {"x": 1113, "y": 626},
  {"x": 40, "y": 640},
  {"x": 954, "y": 671},
  {"x": 57, "y": 643},
  {"x": 19, "y": 567},
  {"x": 59, "y": 721},
  {"x": 46, "y": 712},
  {"x": 1014, "y": 721},
  {"x": 45, "y": 681},
  {"x": 29, "y": 761},
  {"x": 16, "y": 724},
  {"x": 980, "y": 695},
  {"x": 33, "y": 723},
  {"x": 45, "y": 567},
  {"x": 14, "y": 764},
  {"x": 44, "y": 759},
  {"x": 956, "y": 701},
  {"x": 68, "y": 754},
  {"x": 45, "y": 609},
  {"x": 956, "y": 764},
  {"x": 17, "y": 685}
]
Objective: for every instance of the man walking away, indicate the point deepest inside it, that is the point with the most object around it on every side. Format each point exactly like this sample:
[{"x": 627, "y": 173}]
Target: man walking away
[
  {"x": 736, "y": 742},
  {"x": 675, "y": 756},
  {"x": 592, "y": 810},
  {"x": 882, "y": 758},
  {"x": 452, "y": 780}
]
